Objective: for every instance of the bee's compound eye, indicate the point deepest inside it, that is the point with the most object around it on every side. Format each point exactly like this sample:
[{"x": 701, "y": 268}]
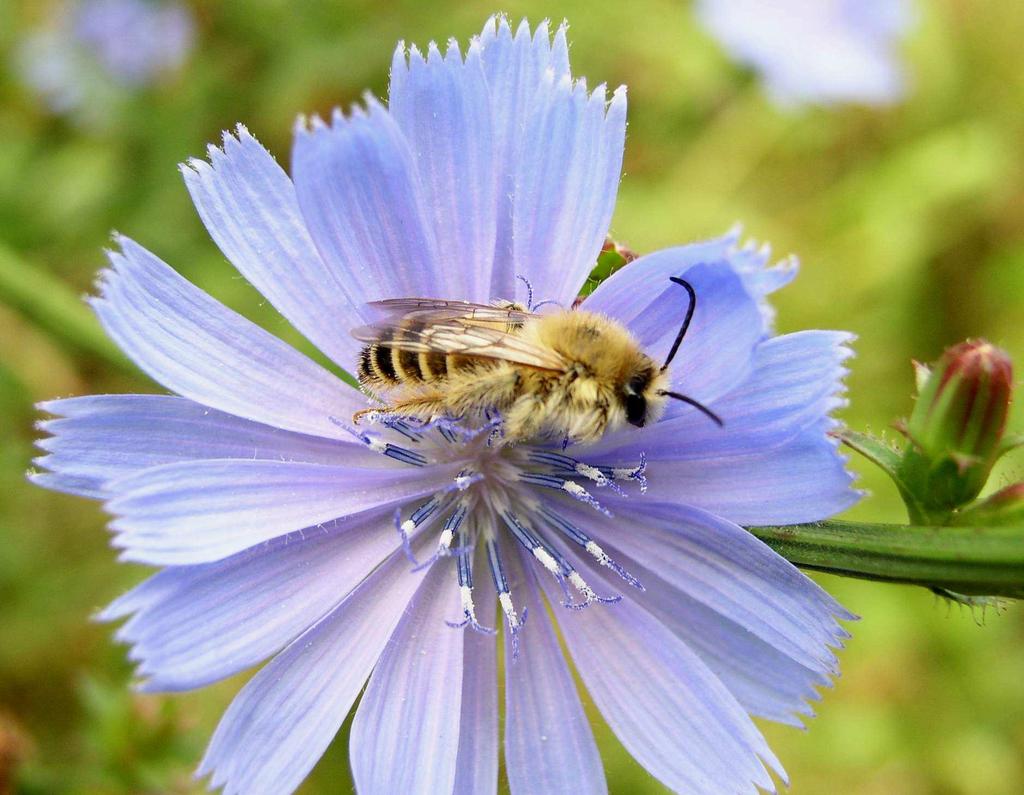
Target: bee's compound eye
[
  {"x": 637, "y": 384},
  {"x": 636, "y": 410}
]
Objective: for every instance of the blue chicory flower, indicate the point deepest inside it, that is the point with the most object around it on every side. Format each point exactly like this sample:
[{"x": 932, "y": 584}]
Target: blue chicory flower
[
  {"x": 94, "y": 47},
  {"x": 816, "y": 51},
  {"x": 274, "y": 518}
]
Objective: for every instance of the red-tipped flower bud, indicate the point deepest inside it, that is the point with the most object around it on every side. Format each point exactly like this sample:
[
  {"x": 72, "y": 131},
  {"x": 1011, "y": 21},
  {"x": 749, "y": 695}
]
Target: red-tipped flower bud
[
  {"x": 963, "y": 403},
  {"x": 957, "y": 424}
]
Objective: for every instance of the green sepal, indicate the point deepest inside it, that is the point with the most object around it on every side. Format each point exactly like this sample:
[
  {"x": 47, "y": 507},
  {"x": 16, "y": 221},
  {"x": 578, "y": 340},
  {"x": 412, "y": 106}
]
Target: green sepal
[
  {"x": 613, "y": 257},
  {"x": 889, "y": 460},
  {"x": 1010, "y": 443},
  {"x": 1004, "y": 507},
  {"x": 943, "y": 484}
]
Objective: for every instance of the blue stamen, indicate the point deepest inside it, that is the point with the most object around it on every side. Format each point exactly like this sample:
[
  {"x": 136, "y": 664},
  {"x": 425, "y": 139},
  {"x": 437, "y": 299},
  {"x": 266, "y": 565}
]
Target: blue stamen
[
  {"x": 464, "y": 570},
  {"x": 403, "y": 455},
  {"x": 402, "y": 427},
  {"x": 548, "y": 557},
  {"x": 589, "y": 545},
  {"x": 384, "y": 448},
  {"x": 601, "y": 475},
  {"x": 515, "y": 622},
  {"x": 413, "y": 523},
  {"x": 447, "y": 433},
  {"x": 448, "y": 532},
  {"x": 570, "y": 487}
]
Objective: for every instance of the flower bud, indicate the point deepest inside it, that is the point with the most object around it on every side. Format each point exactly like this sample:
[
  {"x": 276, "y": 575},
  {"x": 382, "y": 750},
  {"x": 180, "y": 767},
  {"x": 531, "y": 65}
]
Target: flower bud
[{"x": 957, "y": 424}]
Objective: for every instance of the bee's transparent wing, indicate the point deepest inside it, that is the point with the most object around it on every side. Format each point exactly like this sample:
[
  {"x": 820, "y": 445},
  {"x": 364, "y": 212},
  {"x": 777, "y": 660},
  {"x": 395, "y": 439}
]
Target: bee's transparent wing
[
  {"x": 439, "y": 308},
  {"x": 458, "y": 327}
]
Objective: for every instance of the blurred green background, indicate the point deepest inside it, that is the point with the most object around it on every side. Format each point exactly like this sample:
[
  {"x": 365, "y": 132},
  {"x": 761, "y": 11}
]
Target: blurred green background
[{"x": 909, "y": 222}]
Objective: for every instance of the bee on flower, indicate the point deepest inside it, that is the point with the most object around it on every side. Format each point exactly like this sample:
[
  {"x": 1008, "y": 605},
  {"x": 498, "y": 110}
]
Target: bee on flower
[{"x": 380, "y": 553}]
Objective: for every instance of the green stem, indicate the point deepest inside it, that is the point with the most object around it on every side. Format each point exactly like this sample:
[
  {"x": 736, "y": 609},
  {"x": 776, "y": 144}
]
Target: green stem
[
  {"x": 967, "y": 560},
  {"x": 55, "y": 307}
]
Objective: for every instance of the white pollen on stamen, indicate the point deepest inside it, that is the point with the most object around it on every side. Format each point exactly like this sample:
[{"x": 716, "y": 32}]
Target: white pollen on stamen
[
  {"x": 597, "y": 553},
  {"x": 580, "y": 584},
  {"x": 546, "y": 560},
  {"x": 623, "y": 472},
  {"x": 463, "y": 482},
  {"x": 575, "y": 489},
  {"x": 466, "y": 594},
  {"x": 505, "y": 599},
  {"x": 445, "y": 540},
  {"x": 408, "y": 526},
  {"x": 376, "y": 444},
  {"x": 591, "y": 472}
]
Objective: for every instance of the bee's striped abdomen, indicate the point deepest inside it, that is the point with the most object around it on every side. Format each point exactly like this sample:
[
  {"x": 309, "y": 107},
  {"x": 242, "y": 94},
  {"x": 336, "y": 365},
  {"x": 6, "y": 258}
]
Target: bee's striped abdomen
[
  {"x": 433, "y": 366},
  {"x": 365, "y": 370},
  {"x": 376, "y": 367},
  {"x": 407, "y": 363},
  {"x": 381, "y": 365}
]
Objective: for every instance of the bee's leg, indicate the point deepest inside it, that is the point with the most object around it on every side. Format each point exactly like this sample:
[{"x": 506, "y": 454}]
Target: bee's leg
[
  {"x": 589, "y": 426},
  {"x": 424, "y": 407},
  {"x": 372, "y": 410},
  {"x": 473, "y": 394},
  {"x": 524, "y": 419}
]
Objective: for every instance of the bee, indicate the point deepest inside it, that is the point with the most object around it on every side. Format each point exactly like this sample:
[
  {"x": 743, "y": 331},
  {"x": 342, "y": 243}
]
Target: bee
[{"x": 570, "y": 374}]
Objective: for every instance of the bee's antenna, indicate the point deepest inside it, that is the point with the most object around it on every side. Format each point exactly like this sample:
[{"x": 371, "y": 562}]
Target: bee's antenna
[
  {"x": 695, "y": 403},
  {"x": 675, "y": 347},
  {"x": 686, "y": 321}
]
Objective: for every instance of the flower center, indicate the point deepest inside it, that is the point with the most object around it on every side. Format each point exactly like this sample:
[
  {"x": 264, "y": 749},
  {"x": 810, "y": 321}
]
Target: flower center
[{"x": 502, "y": 492}]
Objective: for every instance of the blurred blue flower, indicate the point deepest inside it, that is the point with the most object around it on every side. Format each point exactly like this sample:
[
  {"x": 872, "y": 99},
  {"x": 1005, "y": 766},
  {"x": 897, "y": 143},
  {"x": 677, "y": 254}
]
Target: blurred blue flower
[
  {"x": 816, "y": 51},
  {"x": 134, "y": 40},
  {"x": 275, "y": 521},
  {"x": 93, "y": 47}
]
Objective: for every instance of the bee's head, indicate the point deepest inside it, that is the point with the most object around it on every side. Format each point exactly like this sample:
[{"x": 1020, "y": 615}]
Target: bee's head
[
  {"x": 644, "y": 396},
  {"x": 651, "y": 390}
]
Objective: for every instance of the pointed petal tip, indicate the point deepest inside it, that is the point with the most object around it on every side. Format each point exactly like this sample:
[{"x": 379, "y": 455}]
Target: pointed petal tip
[
  {"x": 474, "y": 49},
  {"x": 733, "y": 233},
  {"x": 453, "y": 50},
  {"x": 105, "y": 615},
  {"x": 523, "y": 29},
  {"x": 50, "y": 406}
]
